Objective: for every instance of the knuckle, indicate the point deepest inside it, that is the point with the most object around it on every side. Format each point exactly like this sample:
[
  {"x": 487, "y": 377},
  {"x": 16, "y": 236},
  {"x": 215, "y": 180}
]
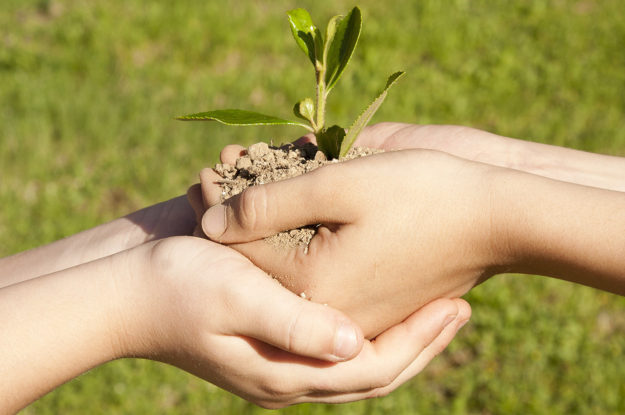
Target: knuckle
[
  {"x": 295, "y": 340},
  {"x": 162, "y": 255},
  {"x": 380, "y": 392},
  {"x": 384, "y": 379},
  {"x": 252, "y": 212},
  {"x": 274, "y": 390}
]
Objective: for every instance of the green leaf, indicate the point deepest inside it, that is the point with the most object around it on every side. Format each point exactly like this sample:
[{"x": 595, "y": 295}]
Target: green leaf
[
  {"x": 330, "y": 33},
  {"x": 306, "y": 34},
  {"x": 365, "y": 117},
  {"x": 342, "y": 36},
  {"x": 329, "y": 141},
  {"x": 239, "y": 117},
  {"x": 305, "y": 109}
]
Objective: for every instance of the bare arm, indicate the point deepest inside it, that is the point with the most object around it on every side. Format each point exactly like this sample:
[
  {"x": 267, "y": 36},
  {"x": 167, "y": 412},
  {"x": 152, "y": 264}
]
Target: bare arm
[
  {"x": 170, "y": 218},
  {"x": 568, "y": 231},
  {"x": 560, "y": 163},
  {"x": 55, "y": 328}
]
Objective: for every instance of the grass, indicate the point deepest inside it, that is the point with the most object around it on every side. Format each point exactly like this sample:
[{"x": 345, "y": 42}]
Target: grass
[{"x": 87, "y": 99}]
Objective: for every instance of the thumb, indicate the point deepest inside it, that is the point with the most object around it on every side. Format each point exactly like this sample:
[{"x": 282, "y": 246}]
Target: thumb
[
  {"x": 265, "y": 210},
  {"x": 278, "y": 317}
]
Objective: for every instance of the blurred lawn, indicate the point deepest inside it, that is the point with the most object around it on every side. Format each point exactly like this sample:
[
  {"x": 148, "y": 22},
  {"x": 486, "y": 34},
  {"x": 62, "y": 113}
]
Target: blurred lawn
[{"x": 88, "y": 91}]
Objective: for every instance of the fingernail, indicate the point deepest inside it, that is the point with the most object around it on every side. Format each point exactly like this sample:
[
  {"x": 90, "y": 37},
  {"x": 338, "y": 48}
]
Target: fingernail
[
  {"x": 214, "y": 221},
  {"x": 345, "y": 341},
  {"x": 449, "y": 319}
]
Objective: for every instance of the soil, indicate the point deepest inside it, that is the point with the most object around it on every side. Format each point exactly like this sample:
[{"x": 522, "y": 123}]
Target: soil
[{"x": 263, "y": 163}]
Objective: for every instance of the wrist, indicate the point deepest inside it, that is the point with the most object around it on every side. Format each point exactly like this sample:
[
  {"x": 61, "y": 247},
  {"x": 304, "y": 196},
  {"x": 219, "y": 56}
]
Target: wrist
[
  {"x": 68, "y": 322},
  {"x": 139, "y": 302},
  {"x": 568, "y": 165},
  {"x": 506, "y": 226},
  {"x": 153, "y": 298},
  {"x": 561, "y": 230}
]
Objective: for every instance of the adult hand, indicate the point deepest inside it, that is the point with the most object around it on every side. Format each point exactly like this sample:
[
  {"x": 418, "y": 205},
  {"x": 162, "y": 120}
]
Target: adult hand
[{"x": 399, "y": 229}]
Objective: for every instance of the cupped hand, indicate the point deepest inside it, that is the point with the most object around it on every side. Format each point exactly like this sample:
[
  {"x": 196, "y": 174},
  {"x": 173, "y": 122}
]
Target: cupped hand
[
  {"x": 207, "y": 309},
  {"x": 399, "y": 229}
]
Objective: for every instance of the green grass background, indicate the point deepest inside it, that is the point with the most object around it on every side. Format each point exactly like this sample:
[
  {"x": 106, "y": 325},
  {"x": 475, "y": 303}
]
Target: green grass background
[{"x": 88, "y": 92}]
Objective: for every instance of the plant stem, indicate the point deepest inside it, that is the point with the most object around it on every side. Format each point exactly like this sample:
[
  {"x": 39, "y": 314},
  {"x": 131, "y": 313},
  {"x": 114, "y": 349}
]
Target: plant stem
[{"x": 321, "y": 98}]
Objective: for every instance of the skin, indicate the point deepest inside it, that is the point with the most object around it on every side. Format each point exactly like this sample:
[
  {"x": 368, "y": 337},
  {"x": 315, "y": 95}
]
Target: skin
[
  {"x": 132, "y": 288},
  {"x": 173, "y": 217},
  {"x": 559, "y": 163},
  {"x": 451, "y": 224}
]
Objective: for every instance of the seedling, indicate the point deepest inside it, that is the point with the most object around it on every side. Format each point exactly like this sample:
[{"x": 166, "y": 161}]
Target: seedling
[{"x": 329, "y": 57}]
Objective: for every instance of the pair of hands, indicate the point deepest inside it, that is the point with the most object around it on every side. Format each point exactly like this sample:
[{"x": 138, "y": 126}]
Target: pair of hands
[
  {"x": 400, "y": 229},
  {"x": 267, "y": 345},
  {"x": 261, "y": 350},
  {"x": 198, "y": 305},
  {"x": 142, "y": 291}
]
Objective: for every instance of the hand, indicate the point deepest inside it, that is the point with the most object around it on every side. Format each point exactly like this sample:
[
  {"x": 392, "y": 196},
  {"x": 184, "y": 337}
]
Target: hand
[
  {"x": 214, "y": 314},
  {"x": 399, "y": 229},
  {"x": 206, "y": 309}
]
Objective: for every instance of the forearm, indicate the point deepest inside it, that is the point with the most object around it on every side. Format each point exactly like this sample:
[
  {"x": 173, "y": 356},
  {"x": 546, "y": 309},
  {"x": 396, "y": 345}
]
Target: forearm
[
  {"x": 572, "y": 232},
  {"x": 170, "y": 218},
  {"x": 56, "y": 327},
  {"x": 565, "y": 164},
  {"x": 560, "y": 163}
]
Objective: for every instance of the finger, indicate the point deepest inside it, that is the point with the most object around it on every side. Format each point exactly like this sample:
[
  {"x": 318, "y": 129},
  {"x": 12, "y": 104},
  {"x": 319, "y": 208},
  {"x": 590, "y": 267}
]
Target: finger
[
  {"x": 416, "y": 366},
  {"x": 211, "y": 190},
  {"x": 265, "y": 210},
  {"x": 194, "y": 195},
  {"x": 230, "y": 153},
  {"x": 421, "y": 361},
  {"x": 380, "y": 361},
  {"x": 399, "y": 346},
  {"x": 439, "y": 344},
  {"x": 268, "y": 312},
  {"x": 382, "y": 136},
  {"x": 284, "y": 378},
  {"x": 281, "y": 377}
]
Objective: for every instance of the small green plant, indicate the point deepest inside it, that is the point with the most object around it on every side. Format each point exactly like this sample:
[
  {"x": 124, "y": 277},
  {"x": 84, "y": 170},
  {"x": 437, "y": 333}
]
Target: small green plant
[{"x": 329, "y": 56}]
